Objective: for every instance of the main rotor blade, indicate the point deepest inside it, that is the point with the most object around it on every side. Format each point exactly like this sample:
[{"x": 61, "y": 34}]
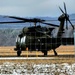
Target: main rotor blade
[
  {"x": 65, "y": 8},
  {"x": 66, "y": 24},
  {"x": 61, "y": 10},
  {"x": 36, "y": 20},
  {"x": 12, "y": 22},
  {"x": 57, "y": 20},
  {"x": 51, "y": 24},
  {"x": 71, "y": 23},
  {"x": 18, "y": 18},
  {"x": 27, "y": 20}
]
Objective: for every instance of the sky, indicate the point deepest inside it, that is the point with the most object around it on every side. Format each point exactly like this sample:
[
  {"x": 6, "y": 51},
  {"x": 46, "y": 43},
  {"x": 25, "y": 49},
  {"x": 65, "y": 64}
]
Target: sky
[{"x": 35, "y": 8}]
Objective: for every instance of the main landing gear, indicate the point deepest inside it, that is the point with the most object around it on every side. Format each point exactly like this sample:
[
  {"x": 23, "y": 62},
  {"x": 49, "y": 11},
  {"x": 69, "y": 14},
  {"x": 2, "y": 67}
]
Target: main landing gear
[
  {"x": 45, "y": 53},
  {"x": 19, "y": 52}
]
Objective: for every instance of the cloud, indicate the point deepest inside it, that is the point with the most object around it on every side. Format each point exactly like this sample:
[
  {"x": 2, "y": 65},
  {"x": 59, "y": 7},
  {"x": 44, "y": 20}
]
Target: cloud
[{"x": 34, "y": 7}]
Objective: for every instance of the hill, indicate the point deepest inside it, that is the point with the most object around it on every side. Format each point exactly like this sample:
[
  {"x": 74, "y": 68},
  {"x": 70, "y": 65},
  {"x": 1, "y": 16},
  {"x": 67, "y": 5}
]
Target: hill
[{"x": 8, "y": 36}]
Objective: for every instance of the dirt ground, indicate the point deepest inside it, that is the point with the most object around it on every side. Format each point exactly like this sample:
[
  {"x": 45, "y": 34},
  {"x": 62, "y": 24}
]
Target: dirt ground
[
  {"x": 62, "y": 50},
  {"x": 65, "y": 54}
]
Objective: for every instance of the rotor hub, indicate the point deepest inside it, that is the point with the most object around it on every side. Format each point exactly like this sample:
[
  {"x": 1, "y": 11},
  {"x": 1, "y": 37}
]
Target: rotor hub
[{"x": 63, "y": 17}]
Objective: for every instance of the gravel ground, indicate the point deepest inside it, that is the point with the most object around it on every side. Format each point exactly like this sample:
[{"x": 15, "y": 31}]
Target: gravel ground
[{"x": 8, "y": 68}]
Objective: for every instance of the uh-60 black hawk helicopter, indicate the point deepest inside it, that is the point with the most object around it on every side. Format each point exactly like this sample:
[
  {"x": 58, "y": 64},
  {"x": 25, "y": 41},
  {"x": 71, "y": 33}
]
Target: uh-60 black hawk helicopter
[{"x": 39, "y": 37}]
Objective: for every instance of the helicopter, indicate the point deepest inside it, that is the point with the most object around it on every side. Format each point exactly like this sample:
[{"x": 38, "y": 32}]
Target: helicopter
[{"x": 40, "y": 38}]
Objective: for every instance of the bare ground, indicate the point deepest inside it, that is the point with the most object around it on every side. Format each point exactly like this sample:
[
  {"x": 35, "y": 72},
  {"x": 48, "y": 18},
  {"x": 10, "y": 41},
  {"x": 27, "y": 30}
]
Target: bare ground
[{"x": 65, "y": 54}]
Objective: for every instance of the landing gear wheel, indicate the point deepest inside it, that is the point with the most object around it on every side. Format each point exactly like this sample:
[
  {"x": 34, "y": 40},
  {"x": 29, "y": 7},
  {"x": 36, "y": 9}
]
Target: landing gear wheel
[
  {"x": 45, "y": 53},
  {"x": 18, "y": 53}
]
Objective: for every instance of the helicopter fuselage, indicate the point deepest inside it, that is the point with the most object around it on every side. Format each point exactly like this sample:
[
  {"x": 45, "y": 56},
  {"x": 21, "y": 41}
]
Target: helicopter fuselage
[{"x": 42, "y": 43}]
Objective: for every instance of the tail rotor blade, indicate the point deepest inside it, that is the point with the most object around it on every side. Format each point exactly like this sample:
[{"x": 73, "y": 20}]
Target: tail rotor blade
[
  {"x": 66, "y": 24},
  {"x": 71, "y": 23},
  {"x": 65, "y": 8},
  {"x": 61, "y": 10}
]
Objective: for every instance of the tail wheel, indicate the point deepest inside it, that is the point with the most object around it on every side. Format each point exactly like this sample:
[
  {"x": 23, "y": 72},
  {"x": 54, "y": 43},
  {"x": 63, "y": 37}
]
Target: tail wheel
[{"x": 18, "y": 53}]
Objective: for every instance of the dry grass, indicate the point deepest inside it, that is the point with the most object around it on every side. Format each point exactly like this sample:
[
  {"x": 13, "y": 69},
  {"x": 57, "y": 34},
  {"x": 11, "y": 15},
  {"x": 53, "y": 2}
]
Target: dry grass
[{"x": 63, "y": 52}]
